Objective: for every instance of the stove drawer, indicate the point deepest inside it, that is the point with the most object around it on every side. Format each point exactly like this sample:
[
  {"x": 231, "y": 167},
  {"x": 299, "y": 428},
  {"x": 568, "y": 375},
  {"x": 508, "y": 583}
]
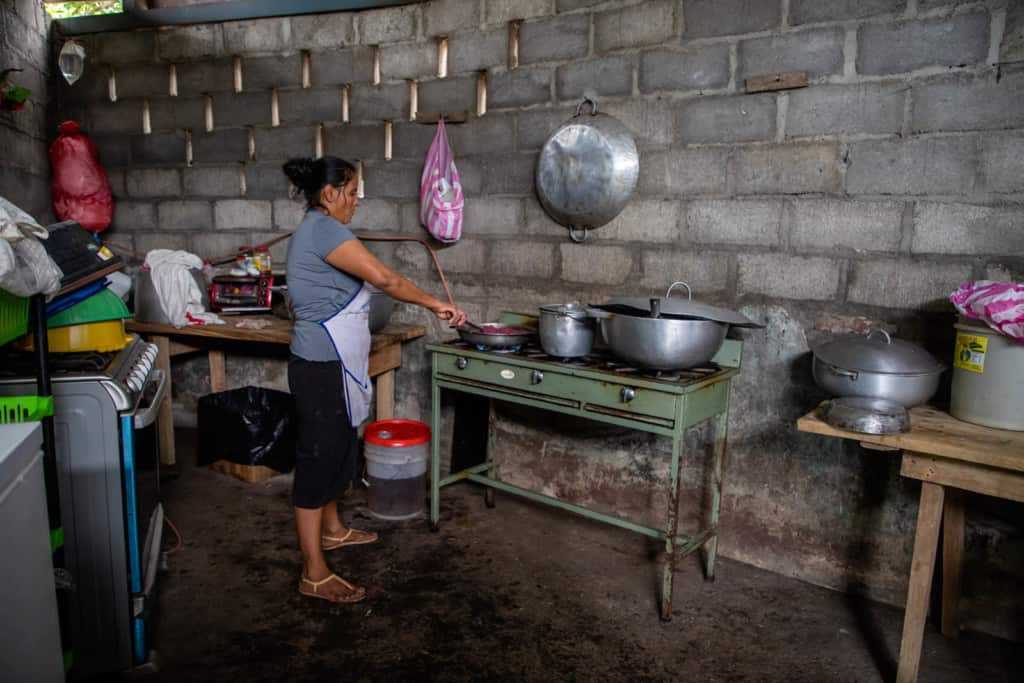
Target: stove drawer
[{"x": 587, "y": 395}]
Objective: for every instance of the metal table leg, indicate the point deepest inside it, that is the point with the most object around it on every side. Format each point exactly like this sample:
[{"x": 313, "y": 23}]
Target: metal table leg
[
  {"x": 492, "y": 471},
  {"x": 721, "y": 434},
  {"x": 435, "y": 455},
  {"x": 669, "y": 571}
]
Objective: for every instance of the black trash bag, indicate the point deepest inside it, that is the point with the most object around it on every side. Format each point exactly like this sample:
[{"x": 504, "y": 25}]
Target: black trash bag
[{"x": 248, "y": 426}]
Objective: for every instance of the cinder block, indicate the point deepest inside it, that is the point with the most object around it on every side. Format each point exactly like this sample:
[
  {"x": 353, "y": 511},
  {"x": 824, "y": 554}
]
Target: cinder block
[
  {"x": 121, "y": 117},
  {"x": 501, "y": 11},
  {"x": 466, "y": 256},
  {"x": 173, "y": 113},
  {"x": 242, "y": 109},
  {"x": 650, "y": 120},
  {"x": 538, "y": 222},
  {"x": 494, "y": 216},
  {"x": 810, "y": 11},
  {"x": 376, "y": 214},
  {"x": 264, "y": 73},
  {"x": 1012, "y": 47},
  {"x": 595, "y": 264},
  {"x": 348, "y": 65},
  {"x": 704, "y": 18},
  {"x": 229, "y": 214},
  {"x": 491, "y": 134},
  {"x": 477, "y": 50},
  {"x": 213, "y": 181},
  {"x": 257, "y": 36},
  {"x": 153, "y": 182},
  {"x": 471, "y": 174},
  {"x": 125, "y": 47},
  {"x": 905, "y": 283},
  {"x": 408, "y": 60},
  {"x": 507, "y": 174},
  {"x": 968, "y": 103},
  {"x": 314, "y": 105},
  {"x": 265, "y": 181},
  {"x": 22, "y": 151},
  {"x": 968, "y": 229},
  {"x": 690, "y": 69},
  {"x": 158, "y": 148},
  {"x": 448, "y": 94},
  {"x": 355, "y": 141},
  {"x": 141, "y": 80},
  {"x": 146, "y": 242},
  {"x": 134, "y": 216},
  {"x": 379, "y": 102},
  {"x": 534, "y": 127},
  {"x": 684, "y": 171},
  {"x": 788, "y": 277},
  {"x": 897, "y": 48},
  {"x": 1002, "y": 162},
  {"x": 839, "y": 109},
  {"x": 114, "y": 150},
  {"x": 441, "y": 17},
  {"x": 288, "y": 213},
  {"x": 323, "y": 31},
  {"x": 392, "y": 179},
  {"x": 738, "y": 118},
  {"x": 644, "y": 220},
  {"x": 199, "y": 41},
  {"x": 91, "y": 87},
  {"x": 207, "y": 76},
  {"x": 284, "y": 142},
  {"x": 519, "y": 88},
  {"x": 32, "y": 191},
  {"x": 523, "y": 259},
  {"x": 662, "y": 267},
  {"x": 225, "y": 144},
  {"x": 278, "y": 250},
  {"x": 411, "y": 140},
  {"x": 184, "y": 215},
  {"x": 828, "y": 224},
  {"x": 816, "y": 51},
  {"x": 917, "y": 166},
  {"x": 388, "y": 25},
  {"x": 557, "y": 39},
  {"x": 648, "y": 23},
  {"x": 723, "y": 221},
  {"x": 609, "y": 76},
  {"x": 787, "y": 169},
  {"x": 117, "y": 182},
  {"x": 212, "y": 245}
]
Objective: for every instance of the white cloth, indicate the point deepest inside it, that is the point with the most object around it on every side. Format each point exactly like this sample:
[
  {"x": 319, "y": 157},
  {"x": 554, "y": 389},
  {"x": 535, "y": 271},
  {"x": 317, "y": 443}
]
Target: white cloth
[
  {"x": 179, "y": 295},
  {"x": 25, "y": 267},
  {"x": 349, "y": 330}
]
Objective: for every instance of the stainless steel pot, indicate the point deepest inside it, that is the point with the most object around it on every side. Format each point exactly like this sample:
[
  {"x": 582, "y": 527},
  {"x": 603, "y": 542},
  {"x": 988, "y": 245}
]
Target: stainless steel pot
[
  {"x": 381, "y": 307},
  {"x": 877, "y": 366},
  {"x": 587, "y": 171},
  {"x": 566, "y": 330}
]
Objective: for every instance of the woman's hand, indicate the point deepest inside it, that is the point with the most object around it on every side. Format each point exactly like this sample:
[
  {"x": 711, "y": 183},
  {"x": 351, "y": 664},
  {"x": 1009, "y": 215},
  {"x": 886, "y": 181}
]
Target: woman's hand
[{"x": 453, "y": 315}]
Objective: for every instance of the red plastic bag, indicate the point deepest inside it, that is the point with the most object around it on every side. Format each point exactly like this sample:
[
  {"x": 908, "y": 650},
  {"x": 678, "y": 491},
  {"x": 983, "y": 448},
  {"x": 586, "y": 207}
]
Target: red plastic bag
[{"x": 81, "y": 190}]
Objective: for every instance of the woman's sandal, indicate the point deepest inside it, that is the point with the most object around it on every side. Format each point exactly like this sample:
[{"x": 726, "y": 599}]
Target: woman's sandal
[
  {"x": 358, "y": 593},
  {"x": 335, "y": 542}
]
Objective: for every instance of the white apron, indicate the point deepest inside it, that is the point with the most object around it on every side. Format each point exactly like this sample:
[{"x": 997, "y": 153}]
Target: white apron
[{"x": 349, "y": 330}]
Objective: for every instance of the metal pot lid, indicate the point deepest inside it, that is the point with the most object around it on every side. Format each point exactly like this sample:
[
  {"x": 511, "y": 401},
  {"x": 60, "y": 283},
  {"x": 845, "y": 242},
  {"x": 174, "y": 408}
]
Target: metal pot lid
[
  {"x": 878, "y": 352},
  {"x": 687, "y": 308},
  {"x": 573, "y": 309}
]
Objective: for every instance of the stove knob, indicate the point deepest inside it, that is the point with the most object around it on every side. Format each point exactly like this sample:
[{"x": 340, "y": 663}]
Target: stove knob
[
  {"x": 628, "y": 394},
  {"x": 536, "y": 377},
  {"x": 461, "y": 363}
]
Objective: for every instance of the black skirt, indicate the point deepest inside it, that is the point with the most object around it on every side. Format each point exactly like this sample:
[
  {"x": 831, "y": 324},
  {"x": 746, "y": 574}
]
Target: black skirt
[{"x": 328, "y": 446}]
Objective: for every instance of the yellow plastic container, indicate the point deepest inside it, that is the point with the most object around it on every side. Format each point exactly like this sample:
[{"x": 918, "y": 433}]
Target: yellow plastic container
[{"x": 104, "y": 336}]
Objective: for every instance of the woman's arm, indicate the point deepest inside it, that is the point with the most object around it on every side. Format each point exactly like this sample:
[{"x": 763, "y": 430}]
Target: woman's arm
[{"x": 355, "y": 259}]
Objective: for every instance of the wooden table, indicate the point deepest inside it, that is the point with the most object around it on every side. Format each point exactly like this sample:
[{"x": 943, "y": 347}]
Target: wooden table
[
  {"x": 948, "y": 456},
  {"x": 385, "y": 357}
]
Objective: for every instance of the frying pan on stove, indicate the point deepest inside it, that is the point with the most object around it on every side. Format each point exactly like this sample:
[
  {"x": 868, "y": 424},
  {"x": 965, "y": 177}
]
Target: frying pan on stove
[{"x": 495, "y": 335}]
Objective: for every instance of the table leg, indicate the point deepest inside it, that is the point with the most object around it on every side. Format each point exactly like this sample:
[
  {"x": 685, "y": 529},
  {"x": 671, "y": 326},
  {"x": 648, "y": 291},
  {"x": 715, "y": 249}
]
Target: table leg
[
  {"x": 165, "y": 422},
  {"x": 721, "y": 432},
  {"x": 926, "y": 539},
  {"x": 671, "y": 528},
  {"x": 386, "y": 395},
  {"x": 435, "y": 456},
  {"x": 218, "y": 382},
  {"x": 952, "y": 561},
  {"x": 491, "y": 442}
]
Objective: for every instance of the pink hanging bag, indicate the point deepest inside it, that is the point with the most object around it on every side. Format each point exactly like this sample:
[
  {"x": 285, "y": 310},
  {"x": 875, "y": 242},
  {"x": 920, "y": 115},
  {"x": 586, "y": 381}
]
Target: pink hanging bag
[{"x": 441, "y": 199}]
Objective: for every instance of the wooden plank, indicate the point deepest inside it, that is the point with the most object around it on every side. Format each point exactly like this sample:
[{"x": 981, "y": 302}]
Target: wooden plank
[
  {"x": 963, "y": 475},
  {"x": 937, "y": 433},
  {"x": 179, "y": 349},
  {"x": 248, "y": 473},
  {"x": 386, "y": 395},
  {"x": 780, "y": 81},
  {"x": 218, "y": 379},
  {"x": 926, "y": 538},
  {"x": 952, "y": 561},
  {"x": 385, "y": 359},
  {"x": 165, "y": 421}
]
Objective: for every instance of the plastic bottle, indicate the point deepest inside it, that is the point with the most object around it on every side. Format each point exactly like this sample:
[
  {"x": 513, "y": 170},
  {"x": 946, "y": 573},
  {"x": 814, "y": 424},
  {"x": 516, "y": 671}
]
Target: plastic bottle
[{"x": 263, "y": 259}]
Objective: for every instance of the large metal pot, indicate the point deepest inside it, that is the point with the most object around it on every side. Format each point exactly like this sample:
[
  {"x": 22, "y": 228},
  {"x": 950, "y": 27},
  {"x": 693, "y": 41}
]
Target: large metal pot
[
  {"x": 566, "y": 330},
  {"x": 587, "y": 171},
  {"x": 877, "y": 366}
]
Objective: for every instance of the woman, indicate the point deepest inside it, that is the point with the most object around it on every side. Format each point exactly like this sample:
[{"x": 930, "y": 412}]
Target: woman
[{"x": 328, "y": 269}]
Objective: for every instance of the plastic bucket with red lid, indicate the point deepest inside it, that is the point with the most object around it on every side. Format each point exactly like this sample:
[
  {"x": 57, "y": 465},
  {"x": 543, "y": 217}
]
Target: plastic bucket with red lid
[{"x": 397, "y": 452}]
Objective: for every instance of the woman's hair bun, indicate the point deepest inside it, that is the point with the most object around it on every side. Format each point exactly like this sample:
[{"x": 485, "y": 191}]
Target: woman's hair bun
[{"x": 300, "y": 172}]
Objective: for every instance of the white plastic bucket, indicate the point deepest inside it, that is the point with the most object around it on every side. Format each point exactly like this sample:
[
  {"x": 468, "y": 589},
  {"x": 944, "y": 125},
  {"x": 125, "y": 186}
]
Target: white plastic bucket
[{"x": 988, "y": 378}]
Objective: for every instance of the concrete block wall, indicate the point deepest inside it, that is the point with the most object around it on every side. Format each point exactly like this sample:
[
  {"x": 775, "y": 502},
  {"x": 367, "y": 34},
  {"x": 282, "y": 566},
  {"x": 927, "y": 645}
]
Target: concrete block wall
[
  {"x": 861, "y": 200},
  {"x": 25, "y": 164}
]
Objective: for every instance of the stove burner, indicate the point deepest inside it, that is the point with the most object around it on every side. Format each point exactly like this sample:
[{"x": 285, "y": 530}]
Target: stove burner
[{"x": 499, "y": 349}]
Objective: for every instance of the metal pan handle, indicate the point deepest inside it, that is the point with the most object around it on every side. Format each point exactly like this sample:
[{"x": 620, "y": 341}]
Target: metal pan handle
[
  {"x": 593, "y": 106},
  {"x": 888, "y": 339},
  {"x": 689, "y": 292}
]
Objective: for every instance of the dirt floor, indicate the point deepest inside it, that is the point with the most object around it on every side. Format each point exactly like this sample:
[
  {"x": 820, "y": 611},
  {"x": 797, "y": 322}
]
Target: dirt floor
[{"x": 519, "y": 592}]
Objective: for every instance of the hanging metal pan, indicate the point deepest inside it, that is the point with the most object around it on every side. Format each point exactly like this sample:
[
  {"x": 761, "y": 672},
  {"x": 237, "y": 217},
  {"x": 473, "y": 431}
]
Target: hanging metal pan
[{"x": 587, "y": 171}]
